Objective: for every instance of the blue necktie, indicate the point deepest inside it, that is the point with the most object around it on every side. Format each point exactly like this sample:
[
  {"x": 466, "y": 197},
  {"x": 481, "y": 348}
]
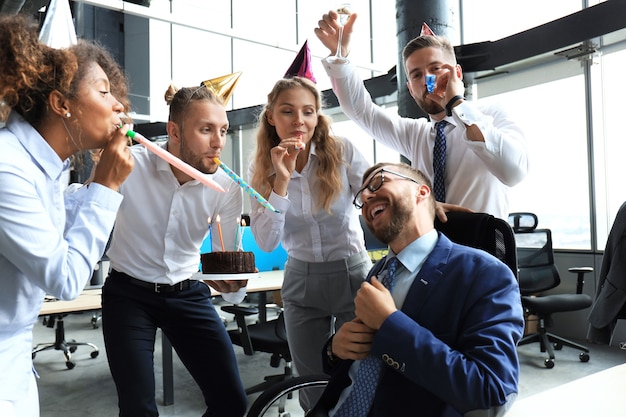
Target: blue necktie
[
  {"x": 359, "y": 401},
  {"x": 439, "y": 162}
]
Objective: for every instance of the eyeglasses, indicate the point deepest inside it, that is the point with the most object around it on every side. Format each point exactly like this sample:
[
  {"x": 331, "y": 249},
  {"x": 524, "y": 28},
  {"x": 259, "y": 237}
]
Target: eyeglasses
[{"x": 375, "y": 183}]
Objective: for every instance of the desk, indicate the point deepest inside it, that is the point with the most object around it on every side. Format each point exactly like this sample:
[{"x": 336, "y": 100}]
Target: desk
[
  {"x": 88, "y": 300},
  {"x": 91, "y": 300},
  {"x": 599, "y": 394}
]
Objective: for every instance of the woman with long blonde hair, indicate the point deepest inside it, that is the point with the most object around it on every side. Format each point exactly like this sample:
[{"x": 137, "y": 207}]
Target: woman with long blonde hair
[{"x": 310, "y": 177}]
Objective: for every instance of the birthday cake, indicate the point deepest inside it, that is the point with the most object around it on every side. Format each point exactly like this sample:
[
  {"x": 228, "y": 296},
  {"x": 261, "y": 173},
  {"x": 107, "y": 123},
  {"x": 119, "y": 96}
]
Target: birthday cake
[{"x": 228, "y": 262}]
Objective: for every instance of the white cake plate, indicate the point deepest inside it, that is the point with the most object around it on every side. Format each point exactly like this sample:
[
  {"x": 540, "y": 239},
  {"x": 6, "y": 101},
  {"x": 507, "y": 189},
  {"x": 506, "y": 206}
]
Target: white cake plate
[{"x": 224, "y": 277}]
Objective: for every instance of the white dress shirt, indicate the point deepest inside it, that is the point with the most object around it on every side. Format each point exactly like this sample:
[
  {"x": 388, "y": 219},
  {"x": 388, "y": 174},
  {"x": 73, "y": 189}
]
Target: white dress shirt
[
  {"x": 161, "y": 224},
  {"x": 48, "y": 244},
  {"x": 309, "y": 233},
  {"x": 478, "y": 174}
]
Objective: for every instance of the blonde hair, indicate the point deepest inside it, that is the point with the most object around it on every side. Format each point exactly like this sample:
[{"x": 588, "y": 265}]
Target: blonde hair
[{"x": 328, "y": 149}]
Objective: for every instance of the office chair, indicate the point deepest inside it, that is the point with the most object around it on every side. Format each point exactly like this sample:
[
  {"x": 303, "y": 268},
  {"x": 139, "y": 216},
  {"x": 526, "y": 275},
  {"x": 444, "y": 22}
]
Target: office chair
[
  {"x": 66, "y": 346},
  {"x": 478, "y": 230},
  {"x": 537, "y": 274},
  {"x": 481, "y": 231},
  {"x": 264, "y": 336}
]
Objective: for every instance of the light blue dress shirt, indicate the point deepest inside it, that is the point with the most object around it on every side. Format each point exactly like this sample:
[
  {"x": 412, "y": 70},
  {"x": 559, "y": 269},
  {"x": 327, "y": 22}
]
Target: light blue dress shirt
[
  {"x": 411, "y": 260},
  {"x": 48, "y": 244}
]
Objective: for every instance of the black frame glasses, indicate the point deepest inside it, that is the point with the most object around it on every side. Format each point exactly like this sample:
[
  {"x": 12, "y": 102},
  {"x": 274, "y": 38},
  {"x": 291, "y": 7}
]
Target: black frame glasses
[{"x": 376, "y": 181}]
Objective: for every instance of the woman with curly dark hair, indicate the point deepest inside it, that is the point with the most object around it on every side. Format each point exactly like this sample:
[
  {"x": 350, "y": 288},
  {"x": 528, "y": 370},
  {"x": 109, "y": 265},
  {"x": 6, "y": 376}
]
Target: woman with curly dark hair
[{"x": 54, "y": 102}]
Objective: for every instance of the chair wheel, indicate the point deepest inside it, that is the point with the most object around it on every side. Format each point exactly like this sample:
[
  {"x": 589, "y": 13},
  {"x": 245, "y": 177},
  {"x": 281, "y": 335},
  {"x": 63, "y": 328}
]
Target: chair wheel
[
  {"x": 95, "y": 354},
  {"x": 33, "y": 355},
  {"x": 549, "y": 363},
  {"x": 72, "y": 349},
  {"x": 584, "y": 357},
  {"x": 558, "y": 346},
  {"x": 70, "y": 364}
]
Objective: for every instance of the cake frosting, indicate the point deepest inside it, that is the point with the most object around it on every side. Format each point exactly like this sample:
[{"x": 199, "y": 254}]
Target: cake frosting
[{"x": 228, "y": 262}]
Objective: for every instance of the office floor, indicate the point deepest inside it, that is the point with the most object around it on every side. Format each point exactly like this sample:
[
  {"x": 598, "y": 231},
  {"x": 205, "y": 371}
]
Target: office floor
[{"x": 87, "y": 390}]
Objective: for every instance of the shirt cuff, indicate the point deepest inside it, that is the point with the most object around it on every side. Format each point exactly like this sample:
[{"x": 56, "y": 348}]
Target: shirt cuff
[
  {"x": 336, "y": 69},
  {"x": 235, "y": 297},
  {"x": 467, "y": 113}
]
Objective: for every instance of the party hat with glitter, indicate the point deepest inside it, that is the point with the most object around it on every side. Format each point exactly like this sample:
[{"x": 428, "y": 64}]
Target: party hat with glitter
[{"x": 301, "y": 65}]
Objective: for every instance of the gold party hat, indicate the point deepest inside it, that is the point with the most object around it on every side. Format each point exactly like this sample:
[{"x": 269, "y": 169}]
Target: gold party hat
[{"x": 223, "y": 86}]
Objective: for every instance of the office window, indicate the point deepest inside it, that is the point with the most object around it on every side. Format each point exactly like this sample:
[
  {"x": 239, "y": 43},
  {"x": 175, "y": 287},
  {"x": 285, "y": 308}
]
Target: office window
[
  {"x": 609, "y": 140},
  {"x": 482, "y": 18},
  {"x": 557, "y": 187}
]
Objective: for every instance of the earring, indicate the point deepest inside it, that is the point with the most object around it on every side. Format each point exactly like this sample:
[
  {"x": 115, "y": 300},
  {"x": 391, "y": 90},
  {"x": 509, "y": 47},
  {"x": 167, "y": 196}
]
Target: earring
[{"x": 68, "y": 115}]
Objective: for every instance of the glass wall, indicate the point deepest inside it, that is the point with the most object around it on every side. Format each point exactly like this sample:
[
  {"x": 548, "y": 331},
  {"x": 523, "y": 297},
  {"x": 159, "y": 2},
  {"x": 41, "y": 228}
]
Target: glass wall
[{"x": 568, "y": 108}]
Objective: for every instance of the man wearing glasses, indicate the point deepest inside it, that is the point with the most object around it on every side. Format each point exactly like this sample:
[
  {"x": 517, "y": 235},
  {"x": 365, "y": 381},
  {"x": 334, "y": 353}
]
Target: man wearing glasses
[{"x": 436, "y": 324}]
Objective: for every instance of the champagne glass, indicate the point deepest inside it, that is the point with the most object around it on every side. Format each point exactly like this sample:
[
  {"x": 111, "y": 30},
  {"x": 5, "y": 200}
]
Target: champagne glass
[{"x": 344, "y": 11}]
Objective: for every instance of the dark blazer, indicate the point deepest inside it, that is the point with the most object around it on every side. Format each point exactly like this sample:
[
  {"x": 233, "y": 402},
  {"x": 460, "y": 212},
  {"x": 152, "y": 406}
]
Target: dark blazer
[
  {"x": 611, "y": 295},
  {"x": 452, "y": 347}
]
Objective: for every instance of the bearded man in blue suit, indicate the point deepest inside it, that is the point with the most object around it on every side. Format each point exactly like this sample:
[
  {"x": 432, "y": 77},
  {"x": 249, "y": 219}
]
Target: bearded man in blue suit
[{"x": 445, "y": 337}]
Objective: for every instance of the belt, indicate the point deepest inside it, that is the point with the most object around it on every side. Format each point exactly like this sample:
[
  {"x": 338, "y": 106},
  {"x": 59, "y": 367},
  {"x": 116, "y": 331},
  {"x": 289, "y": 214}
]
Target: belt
[
  {"x": 153, "y": 286},
  {"x": 328, "y": 267}
]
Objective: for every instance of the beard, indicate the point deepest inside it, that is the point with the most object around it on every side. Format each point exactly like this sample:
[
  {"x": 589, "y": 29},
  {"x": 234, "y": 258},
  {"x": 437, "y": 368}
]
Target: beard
[
  {"x": 193, "y": 159},
  {"x": 400, "y": 214},
  {"x": 429, "y": 106}
]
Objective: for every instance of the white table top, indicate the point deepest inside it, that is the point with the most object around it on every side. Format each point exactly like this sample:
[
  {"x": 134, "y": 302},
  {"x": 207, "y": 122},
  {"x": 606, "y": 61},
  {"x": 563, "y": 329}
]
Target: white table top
[{"x": 600, "y": 394}]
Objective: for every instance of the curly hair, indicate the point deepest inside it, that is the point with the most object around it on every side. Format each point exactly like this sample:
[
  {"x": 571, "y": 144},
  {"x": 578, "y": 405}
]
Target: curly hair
[
  {"x": 31, "y": 70},
  {"x": 328, "y": 148}
]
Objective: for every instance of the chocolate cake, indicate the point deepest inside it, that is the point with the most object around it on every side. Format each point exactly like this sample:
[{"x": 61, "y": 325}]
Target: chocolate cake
[{"x": 228, "y": 263}]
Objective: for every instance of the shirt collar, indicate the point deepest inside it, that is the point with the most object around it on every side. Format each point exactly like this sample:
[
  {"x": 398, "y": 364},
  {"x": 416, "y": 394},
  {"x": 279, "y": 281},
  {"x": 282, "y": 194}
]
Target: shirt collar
[
  {"x": 413, "y": 255},
  {"x": 36, "y": 146}
]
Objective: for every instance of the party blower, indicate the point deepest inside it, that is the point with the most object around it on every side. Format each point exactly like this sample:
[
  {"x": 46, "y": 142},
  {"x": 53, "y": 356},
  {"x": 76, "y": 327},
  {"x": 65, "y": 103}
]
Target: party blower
[{"x": 173, "y": 160}]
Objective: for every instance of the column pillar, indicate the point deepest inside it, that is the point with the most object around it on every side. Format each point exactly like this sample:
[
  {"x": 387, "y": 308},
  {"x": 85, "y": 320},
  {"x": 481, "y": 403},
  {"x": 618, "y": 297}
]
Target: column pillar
[{"x": 442, "y": 16}]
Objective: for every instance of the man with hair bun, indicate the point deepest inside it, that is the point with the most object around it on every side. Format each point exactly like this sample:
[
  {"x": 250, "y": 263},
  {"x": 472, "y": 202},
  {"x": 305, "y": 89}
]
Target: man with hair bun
[{"x": 155, "y": 250}]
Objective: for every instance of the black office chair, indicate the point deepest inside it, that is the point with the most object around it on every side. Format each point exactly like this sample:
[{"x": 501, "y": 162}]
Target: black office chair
[
  {"x": 481, "y": 231},
  {"x": 66, "y": 346},
  {"x": 478, "y": 230},
  {"x": 538, "y": 274},
  {"x": 264, "y": 336}
]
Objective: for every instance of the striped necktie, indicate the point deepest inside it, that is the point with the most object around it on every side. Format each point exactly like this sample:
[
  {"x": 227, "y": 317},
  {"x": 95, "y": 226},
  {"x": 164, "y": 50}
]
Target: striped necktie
[{"x": 359, "y": 401}]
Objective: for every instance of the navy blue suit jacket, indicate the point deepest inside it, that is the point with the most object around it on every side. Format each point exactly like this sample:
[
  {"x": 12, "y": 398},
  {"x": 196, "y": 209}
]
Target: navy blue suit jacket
[{"x": 452, "y": 347}]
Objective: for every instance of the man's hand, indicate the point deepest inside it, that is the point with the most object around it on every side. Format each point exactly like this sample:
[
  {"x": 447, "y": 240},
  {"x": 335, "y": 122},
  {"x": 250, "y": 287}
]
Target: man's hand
[
  {"x": 442, "y": 208},
  {"x": 373, "y": 304},
  {"x": 353, "y": 340},
  {"x": 226, "y": 286},
  {"x": 327, "y": 31}
]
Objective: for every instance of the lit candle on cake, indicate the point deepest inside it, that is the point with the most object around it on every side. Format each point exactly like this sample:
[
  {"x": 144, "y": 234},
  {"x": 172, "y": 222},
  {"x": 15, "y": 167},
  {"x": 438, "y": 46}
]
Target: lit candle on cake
[
  {"x": 219, "y": 231},
  {"x": 210, "y": 234},
  {"x": 242, "y": 228},
  {"x": 237, "y": 230}
]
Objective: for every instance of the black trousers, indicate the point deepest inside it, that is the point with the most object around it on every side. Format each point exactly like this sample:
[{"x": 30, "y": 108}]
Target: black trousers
[{"x": 130, "y": 318}]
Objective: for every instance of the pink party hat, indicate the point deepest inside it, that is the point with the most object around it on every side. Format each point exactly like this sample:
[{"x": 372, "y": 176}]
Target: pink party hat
[
  {"x": 426, "y": 30},
  {"x": 301, "y": 66}
]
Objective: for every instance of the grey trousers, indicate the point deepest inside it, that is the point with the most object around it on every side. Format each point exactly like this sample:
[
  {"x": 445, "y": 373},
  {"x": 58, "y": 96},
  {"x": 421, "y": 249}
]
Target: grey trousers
[{"x": 318, "y": 298}]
